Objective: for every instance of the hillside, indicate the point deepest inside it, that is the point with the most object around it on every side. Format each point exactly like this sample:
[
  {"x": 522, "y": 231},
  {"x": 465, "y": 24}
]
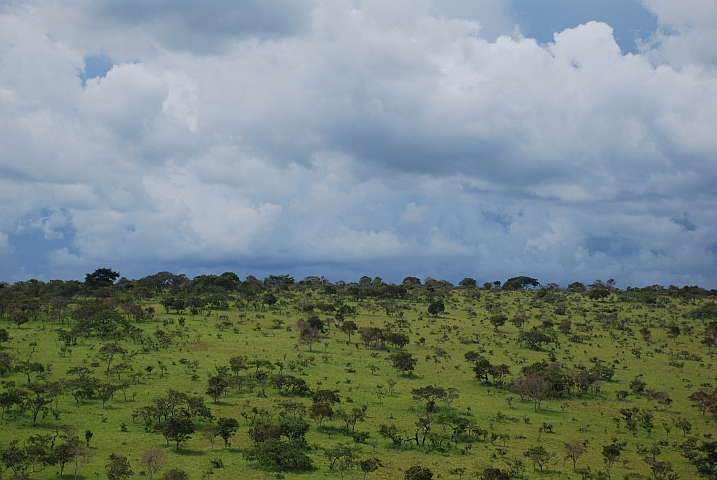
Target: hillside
[{"x": 313, "y": 379}]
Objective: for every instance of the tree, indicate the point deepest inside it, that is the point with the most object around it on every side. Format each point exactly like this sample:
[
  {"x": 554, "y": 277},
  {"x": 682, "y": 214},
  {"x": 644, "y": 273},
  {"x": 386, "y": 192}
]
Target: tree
[
  {"x": 534, "y": 339},
  {"x": 16, "y": 459},
  {"x": 574, "y": 450},
  {"x": 467, "y": 283},
  {"x": 519, "y": 321},
  {"x": 610, "y": 454},
  {"x": 5, "y": 363},
  {"x": 41, "y": 397},
  {"x": 436, "y": 308},
  {"x": 102, "y": 277},
  {"x": 216, "y": 386},
  {"x": 237, "y": 364},
  {"x": 673, "y": 331},
  {"x": 684, "y": 425},
  {"x": 210, "y": 433},
  {"x": 226, "y": 428},
  {"x": 106, "y": 391},
  {"x": 330, "y": 396},
  {"x": 418, "y": 472},
  {"x": 539, "y": 455},
  {"x": 63, "y": 454},
  {"x": 369, "y": 465},
  {"x": 703, "y": 399},
  {"x": 491, "y": 473},
  {"x": 499, "y": 372},
  {"x": 177, "y": 429},
  {"x": 118, "y": 467},
  {"x": 404, "y": 362},
  {"x": 399, "y": 340},
  {"x": 175, "y": 474},
  {"x": 536, "y": 387},
  {"x": 351, "y": 418},
  {"x": 27, "y": 367},
  {"x": 524, "y": 281},
  {"x": 4, "y": 336},
  {"x": 498, "y": 321},
  {"x": 349, "y": 327},
  {"x": 308, "y": 334},
  {"x": 82, "y": 456},
  {"x": 320, "y": 410},
  {"x": 598, "y": 293},
  {"x": 152, "y": 461},
  {"x": 637, "y": 385},
  {"x": 108, "y": 351},
  {"x": 280, "y": 455},
  {"x": 341, "y": 455}
]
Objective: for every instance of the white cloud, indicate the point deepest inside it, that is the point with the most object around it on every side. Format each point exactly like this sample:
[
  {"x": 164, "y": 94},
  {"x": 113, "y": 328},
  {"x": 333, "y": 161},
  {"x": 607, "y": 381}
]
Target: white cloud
[
  {"x": 688, "y": 36},
  {"x": 396, "y": 136}
]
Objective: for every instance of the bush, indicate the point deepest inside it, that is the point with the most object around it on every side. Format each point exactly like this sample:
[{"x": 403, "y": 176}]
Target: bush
[{"x": 417, "y": 472}]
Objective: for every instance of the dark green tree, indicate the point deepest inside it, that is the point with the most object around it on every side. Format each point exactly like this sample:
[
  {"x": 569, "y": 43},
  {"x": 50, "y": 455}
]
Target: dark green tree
[
  {"x": 539, "y": 456},
  {"x": 226, "y": 428},
  {"x": 404, "y": 362},
  {"x": 418, "y": 472},
  {"x": 102, "y": 277},
  {"x": 436, "y": 308},
  {"x": 118, "y": 467},
  {"x": 176, "y": 429},
  {"x": 175, "y": 474},
  {"x": 369, "y": 465}
]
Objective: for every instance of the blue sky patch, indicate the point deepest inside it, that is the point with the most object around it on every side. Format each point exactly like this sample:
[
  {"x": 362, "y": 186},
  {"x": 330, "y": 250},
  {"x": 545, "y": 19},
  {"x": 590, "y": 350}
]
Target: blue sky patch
[
  {"x": 628, "y": 18},
  {"x": 96, "y": 66}
]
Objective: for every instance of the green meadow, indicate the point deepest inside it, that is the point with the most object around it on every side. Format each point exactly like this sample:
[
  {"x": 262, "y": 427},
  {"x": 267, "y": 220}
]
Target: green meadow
[{"x": 312, "y": 379}]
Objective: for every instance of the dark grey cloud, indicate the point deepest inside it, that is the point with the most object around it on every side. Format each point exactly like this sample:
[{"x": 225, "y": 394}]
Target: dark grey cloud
[{"x": 207, "y": 26}]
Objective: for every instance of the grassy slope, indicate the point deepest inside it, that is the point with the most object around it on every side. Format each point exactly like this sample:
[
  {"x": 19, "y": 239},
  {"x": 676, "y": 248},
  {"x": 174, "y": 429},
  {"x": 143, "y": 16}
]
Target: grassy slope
[{"x": 567, "y": 415}]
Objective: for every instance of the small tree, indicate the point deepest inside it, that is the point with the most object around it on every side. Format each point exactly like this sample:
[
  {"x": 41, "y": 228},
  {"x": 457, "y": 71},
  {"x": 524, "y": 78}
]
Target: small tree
[
  {"x": 105, "y": 392},
  {"x": 418, "y": 472},
  {"x": 152, "y": 461},
  {"x": 684, "y": 425},
  {"x": 539, "y": 455},
  {"x": 82, "y": 456},
  {"x": 369, "y": 465},
  {"x": 216, "y": 386},
  {"x": 436, "y": 308},
  {"x": 176, "y": 429},
  {"x": 349, "y": 327},
  {"x": 498, "y": 321},
  {"x": 210, "y": 433},
  {"x": 610, "y": 454},
  {"x": 574, "y": 450},
  {"x": 319, "y": 411},
  {"x": 308, "y": 334},
  {"x": 226, "y": 428},
  {"x": 108, "y": 351},
  {"x": 118, "y": 467},
  {"x": 175, "y": 474},
  {"x": 404, "y": 362}
]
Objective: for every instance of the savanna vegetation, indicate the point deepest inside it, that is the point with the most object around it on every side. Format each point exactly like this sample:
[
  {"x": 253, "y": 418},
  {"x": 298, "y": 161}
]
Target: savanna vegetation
[{"x": 173, "y": 378}]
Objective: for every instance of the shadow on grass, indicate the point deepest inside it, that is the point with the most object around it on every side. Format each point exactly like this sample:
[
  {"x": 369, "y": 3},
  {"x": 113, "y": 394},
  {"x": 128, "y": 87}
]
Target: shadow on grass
[{"x": 187, "y": 453}]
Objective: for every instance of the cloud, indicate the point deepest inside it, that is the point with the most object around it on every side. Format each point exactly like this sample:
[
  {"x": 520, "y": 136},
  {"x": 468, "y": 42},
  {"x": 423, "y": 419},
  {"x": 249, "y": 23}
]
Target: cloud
[
  {"x": 354, "y": 137},
  {"x": 687, "y": 35}
]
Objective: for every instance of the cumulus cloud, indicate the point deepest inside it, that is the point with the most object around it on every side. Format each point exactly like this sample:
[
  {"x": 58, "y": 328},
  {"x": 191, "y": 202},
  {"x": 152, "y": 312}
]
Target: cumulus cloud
[{"x": 345, "y": 138}]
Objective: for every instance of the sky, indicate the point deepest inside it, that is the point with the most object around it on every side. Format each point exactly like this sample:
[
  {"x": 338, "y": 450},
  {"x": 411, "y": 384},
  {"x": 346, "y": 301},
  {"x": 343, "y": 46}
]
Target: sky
[{"x": 566, "y": 140}]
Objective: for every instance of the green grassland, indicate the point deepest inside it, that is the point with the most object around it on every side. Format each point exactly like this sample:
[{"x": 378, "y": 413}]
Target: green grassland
[{"x": 187, "y": 346}]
